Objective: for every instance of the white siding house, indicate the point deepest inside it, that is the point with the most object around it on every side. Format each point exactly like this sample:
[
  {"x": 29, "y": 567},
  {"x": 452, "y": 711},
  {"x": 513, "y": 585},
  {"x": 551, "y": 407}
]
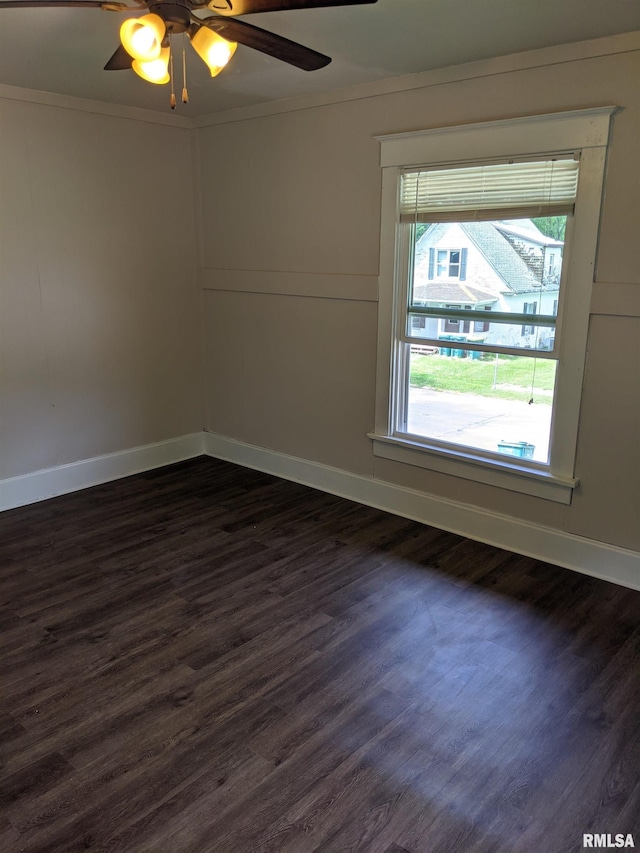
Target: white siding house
[{"x": 507, "y": 266}]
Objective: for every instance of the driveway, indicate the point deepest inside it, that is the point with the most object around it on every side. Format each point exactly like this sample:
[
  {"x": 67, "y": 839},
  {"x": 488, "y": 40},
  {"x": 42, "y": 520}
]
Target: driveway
[{"x": 477, "y": 421}]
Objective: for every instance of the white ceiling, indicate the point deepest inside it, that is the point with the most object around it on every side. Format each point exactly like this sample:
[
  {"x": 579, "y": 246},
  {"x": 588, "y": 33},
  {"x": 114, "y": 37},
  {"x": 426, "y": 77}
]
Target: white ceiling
[{"x": 63, "y": 50}]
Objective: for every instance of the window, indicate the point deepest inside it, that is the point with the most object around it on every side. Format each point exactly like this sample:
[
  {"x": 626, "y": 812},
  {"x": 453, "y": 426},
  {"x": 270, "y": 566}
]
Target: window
[
  {"x": 531, "y": 308},
  {"x": 482, "y": 326},
  {"x": 453, "y": 324},
  {"x": 509, "y": 227},
  {"x": 448, "y": 263}
]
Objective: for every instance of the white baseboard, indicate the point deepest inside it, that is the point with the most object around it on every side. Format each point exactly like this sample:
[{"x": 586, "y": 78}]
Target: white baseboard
[
  {"x": 588, "y": 556},
  {"x": 51, "y": 482}
]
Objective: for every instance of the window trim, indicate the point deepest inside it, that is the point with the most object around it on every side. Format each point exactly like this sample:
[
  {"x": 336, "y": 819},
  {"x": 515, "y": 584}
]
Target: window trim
[{"x": 586, "y": 131}]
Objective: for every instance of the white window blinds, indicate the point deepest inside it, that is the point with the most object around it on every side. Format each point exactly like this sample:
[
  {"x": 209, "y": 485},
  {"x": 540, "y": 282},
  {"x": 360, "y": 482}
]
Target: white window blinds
[{"x": 538, "y": 188}]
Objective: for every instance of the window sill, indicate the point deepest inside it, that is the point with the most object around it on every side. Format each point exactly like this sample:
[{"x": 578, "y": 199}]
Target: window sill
[{"x": 459, "y": 463}]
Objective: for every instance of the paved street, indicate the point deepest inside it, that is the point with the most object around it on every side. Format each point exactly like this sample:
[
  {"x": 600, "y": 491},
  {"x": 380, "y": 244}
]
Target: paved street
[{"x": 479, "y": 421}]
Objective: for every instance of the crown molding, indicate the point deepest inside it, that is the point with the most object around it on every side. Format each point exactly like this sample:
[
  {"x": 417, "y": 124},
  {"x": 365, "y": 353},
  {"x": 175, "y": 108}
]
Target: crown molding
[
  {"x": 556, "y": 55},
  {"x": 69, "y": 102}
]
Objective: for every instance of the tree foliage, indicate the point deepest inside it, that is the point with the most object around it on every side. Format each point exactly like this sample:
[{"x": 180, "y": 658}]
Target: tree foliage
[{"x": 552, "y": 226}]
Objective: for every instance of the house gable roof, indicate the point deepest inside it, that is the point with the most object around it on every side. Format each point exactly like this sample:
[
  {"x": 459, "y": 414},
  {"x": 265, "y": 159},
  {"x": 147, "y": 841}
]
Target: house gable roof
[
  {"x": 499, "y": 246},
  {"x": 502, "y": 256},
  {"x": 525, "y": 228}
]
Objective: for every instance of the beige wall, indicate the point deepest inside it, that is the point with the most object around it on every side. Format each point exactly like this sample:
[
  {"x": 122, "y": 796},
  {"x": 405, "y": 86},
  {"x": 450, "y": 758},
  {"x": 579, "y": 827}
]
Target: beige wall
[
  {"x": 100, "y": 316},
  {"x": 98, "y": 303},
  {"x": 291, "y": 206}
]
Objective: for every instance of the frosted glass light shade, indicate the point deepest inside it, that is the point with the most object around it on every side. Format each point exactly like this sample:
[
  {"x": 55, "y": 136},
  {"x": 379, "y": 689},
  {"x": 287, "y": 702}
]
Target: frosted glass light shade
[
  {"x": 213, "y": 49},
  {"x": 156, "y": 70},
  {"x": 142, "y": 37}
]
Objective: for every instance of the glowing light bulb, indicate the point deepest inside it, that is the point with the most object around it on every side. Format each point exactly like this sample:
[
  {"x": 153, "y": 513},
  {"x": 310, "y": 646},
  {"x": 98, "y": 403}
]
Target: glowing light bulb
[
  {"x": 142, "y": 37},
  {"x": 213, "y": 49},
  {"x": 219, "y": 54},
  {"x": 155, "y": 71},
  {"x": 143, "y": 40}
]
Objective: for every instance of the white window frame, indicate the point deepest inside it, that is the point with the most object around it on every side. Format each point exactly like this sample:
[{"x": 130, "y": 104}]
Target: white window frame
[{"x": 580, "y": 132}]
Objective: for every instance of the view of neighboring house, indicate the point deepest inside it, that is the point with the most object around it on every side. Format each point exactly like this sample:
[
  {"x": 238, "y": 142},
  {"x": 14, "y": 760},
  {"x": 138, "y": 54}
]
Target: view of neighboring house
[{"x": 506, "y": 266}]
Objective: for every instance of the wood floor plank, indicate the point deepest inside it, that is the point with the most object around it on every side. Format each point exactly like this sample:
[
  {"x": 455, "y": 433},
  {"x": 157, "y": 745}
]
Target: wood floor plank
[
  {"x": 206, "y": 658},
  {"x": 360, "y": 722},
  {"x": 145, "y": 797}
]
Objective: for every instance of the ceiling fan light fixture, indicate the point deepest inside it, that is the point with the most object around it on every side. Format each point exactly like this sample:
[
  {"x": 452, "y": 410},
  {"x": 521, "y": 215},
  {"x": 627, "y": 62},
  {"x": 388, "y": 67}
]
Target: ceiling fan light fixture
[
  {"x": 142, "y": 37},
  {"x": 156, "y": 70},
  {"x": 214, "y": 51}
]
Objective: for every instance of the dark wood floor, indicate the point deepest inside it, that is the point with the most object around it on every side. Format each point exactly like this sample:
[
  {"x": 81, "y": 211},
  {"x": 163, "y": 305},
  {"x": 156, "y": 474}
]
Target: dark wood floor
[{"x": 205, "y": 658}]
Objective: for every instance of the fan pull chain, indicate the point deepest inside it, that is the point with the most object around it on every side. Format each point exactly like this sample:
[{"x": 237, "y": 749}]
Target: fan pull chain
[
  {"x": 533, "y": 379},
  {"x": 535, "y": 364},
  {"x": 173, "y": 94},
  {"x": 185, "y": 94}
]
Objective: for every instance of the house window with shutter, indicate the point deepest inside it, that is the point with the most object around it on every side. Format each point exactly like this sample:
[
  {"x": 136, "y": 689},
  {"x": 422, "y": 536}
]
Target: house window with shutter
[
  {"x": 530, "y": 308},
  {"x": 481, "y": 326},
  {"x": 455, "y": 325},
  {"x": 448, "y": 263},
  {"x": 488, "y": 401}
]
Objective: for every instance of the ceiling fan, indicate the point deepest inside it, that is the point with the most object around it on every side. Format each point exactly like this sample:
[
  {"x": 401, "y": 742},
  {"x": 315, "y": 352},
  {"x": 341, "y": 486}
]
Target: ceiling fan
[{"x": 146, "y": 41}]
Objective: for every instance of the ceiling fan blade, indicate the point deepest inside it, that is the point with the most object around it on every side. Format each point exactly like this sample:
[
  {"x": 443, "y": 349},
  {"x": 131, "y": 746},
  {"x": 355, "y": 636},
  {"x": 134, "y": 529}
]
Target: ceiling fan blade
[
  {"x": 120, "y": 61},
  {"x": 269, "y": 43},
  {"x": 252, "y": 7},
  {"x": 91, "y": 4}
]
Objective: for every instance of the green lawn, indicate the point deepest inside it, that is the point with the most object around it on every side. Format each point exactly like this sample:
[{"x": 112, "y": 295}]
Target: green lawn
[{"x": 510, "y": 379}]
